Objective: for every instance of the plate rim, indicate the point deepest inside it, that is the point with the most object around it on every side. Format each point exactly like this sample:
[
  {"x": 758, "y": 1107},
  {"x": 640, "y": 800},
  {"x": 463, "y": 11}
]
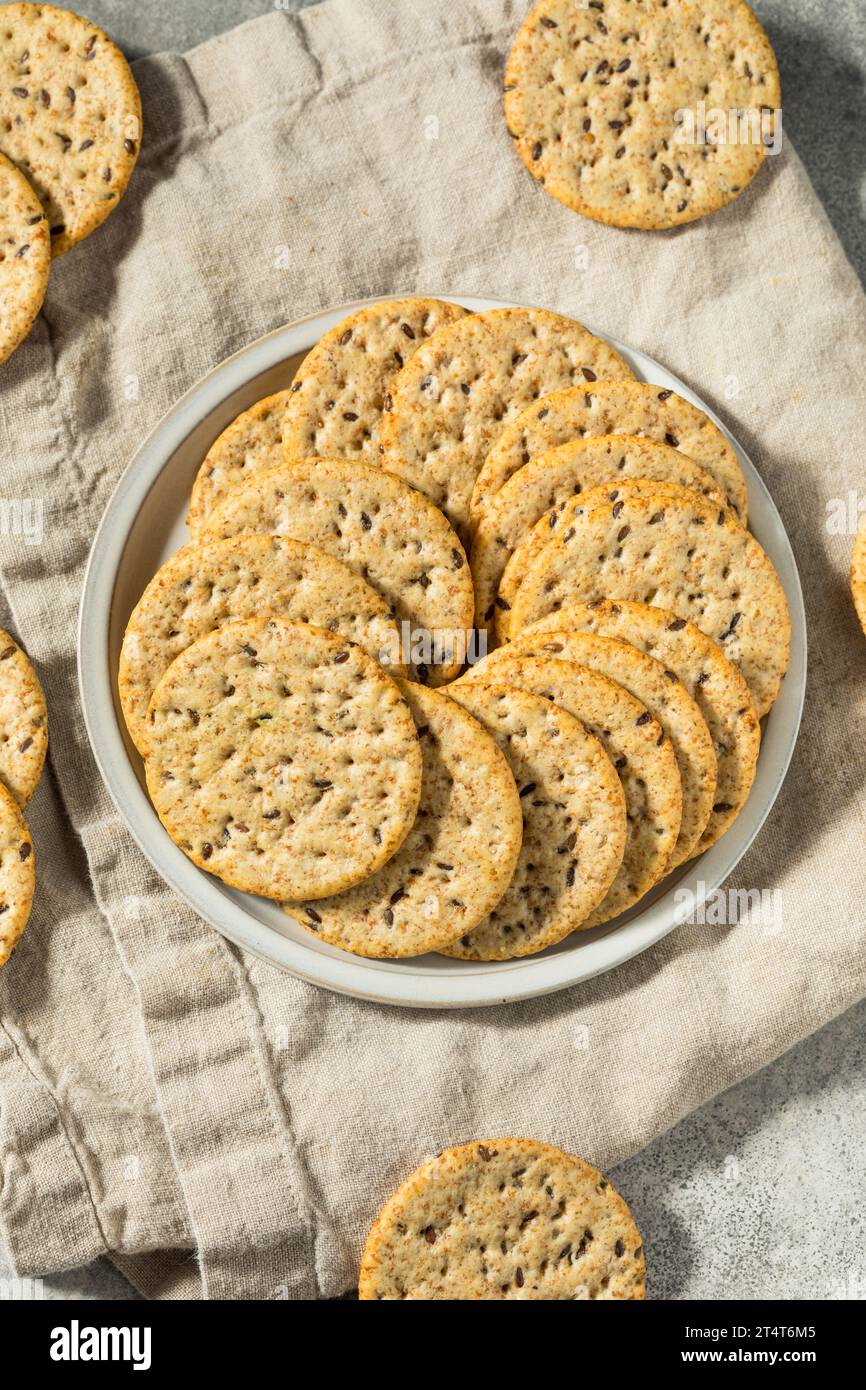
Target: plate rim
[{"x": 358, "y": 977}]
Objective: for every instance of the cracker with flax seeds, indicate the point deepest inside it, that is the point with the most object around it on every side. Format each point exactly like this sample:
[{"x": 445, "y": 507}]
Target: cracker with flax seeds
[
  {"x": 679, "y": 553},
  {"x": 713, "y": 681},
  {"x": 70, "y": 116},
  {"x": 504, "y": 1219},
  {"x": 209, "y": 583},
  {"x": 23, "y": 722},
  {"x": 610, "y": 407},
  {"x": 383, "y": 530},
  {"x": 343, "y": 384},
  {"x": 251, "y": 444},
  {"x": 556, "y": 520},
  {"x": 667, "y": 700},
  {"x": 858, "y": 574},
  {"x": 639, "y": 750},
  {"x": 462, "y": 386},
  {"x": 25, "y": 257},
  {"x": 542, "y": 487},
  {"x": 282, "y": 759},
  {"x": 17, "y": 874},
  {"x": 603, "y": 102},
  {"x": 574, "y": 821},
  {"x": 458, "y": 858}
]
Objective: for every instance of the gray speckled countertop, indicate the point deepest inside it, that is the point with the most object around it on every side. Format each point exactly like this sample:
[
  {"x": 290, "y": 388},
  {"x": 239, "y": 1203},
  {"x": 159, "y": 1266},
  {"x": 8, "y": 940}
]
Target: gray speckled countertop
[{"x": 759, "y": 1194}]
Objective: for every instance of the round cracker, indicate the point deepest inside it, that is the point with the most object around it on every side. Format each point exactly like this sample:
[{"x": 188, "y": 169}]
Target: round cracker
[
  {"x": 557, "y": 522},
  {"x": 611, "y": 407},
  {"x": 282, "y": 759},
  {"x": 678, "y": 553},
  {"x": 342, "y": 386},
  {"x": 546, "y": 483},
  {"x": 25, "y": 257},
  {"x": 858, "y": 574},
  {"x": 574, "y": 828},
  {"x": 603, "y": 102},
  {"x": 251, "y": 444},
  {"x": 70, "y": 116},
  {"x": 667, "y": 700},
  {"x": 17, "y": 874},
  {"x": 23, "y": 722},
  {"x": 713, "y": 682},
  {"x": 212, "y": 582},
  {"x": 504, "y": 1219},
  {"x": 464, "y": 384},
  {"x": 382, "y": 529},
  {"x": 458, "y": 858}
]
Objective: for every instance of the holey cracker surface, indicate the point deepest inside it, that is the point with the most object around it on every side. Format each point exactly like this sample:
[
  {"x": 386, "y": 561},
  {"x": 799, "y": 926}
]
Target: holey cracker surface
[
  {"x": 573, "y": 821},
  {"x": 343, "y": 385},
  {"x": 70, "y": 116},
  {"x": 678, "y": 553},
  {"x": 642, "y": 113},
  {"x": 251, "y": 444},
  {"x": 458, "y": 858},
  {"x": 283, "y": 759},
  {"x": 542, "y": 487},
  {"x": 462, "y": 386},
  {"x": 556, "y": 522},
  {"x": 611, "y": 407},
  {"x": 25, "y": 257},
  {"x": 382, "y": 529},
  {"x": 667, "y": 700},
  {"x": 636, "y": 745},
  {"x": 209, "y": 583},
  {"x": 504, "y": 1219},
  {"x": 713, "y": 681}
]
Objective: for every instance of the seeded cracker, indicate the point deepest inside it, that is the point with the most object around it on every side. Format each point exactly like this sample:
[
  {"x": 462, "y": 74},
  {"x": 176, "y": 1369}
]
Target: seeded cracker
[
  {"x": 714, "y": 683},
  {"x": 541, "y": 488},
  {"x": 383, "y": 530},
  {"x": 858, "y": 574},
  {"x": 454, "y": 397},
  {"x": 458, "y": 858},
  {"x": 668, "y": 702},
  {"x": 680, "y": 554},
  {"x": 282, "y": 759},
  {"x": 504, "y": 1219},
  {"x": 592, "y": 96},
  {"x": 641, "y": 755},
  {"x": 17, "y": 874},
  {"x": 636, "y": 408},
  {"x": 343, "y": 384},
  {"x": 573, "y": 821},
  {"x": 23, "y": 722},
  {"x": 557, "y": 522},
  {"x": 70, "y": 116},
  {"x": 25, "y": 258},
  {"x": 211, "y": 582},
  {"x": 251, "y": 444}
]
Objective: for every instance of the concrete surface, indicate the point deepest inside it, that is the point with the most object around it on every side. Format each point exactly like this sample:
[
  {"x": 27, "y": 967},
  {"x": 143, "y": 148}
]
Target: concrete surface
[{"x": 759, "y": 1194}]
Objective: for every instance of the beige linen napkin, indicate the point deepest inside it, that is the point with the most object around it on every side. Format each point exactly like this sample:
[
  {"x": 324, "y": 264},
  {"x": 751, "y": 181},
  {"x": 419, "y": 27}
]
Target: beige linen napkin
[{"x": 224, "y": 1130}]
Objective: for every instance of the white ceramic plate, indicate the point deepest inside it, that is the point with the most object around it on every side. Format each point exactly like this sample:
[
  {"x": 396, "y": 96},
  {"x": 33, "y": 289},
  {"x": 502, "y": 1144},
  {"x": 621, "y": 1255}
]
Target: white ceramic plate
[{"x": 145, "y": 522}]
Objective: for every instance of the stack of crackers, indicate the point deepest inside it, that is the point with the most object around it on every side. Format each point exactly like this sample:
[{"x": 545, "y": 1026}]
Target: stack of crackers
[
  {"x": 301, "y": 679},
  {"x": 70, "y": 131}
]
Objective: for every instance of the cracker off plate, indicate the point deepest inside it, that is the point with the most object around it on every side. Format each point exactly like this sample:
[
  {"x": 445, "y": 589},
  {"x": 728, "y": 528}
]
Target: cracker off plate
[{"x": 145, "y": 523}]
